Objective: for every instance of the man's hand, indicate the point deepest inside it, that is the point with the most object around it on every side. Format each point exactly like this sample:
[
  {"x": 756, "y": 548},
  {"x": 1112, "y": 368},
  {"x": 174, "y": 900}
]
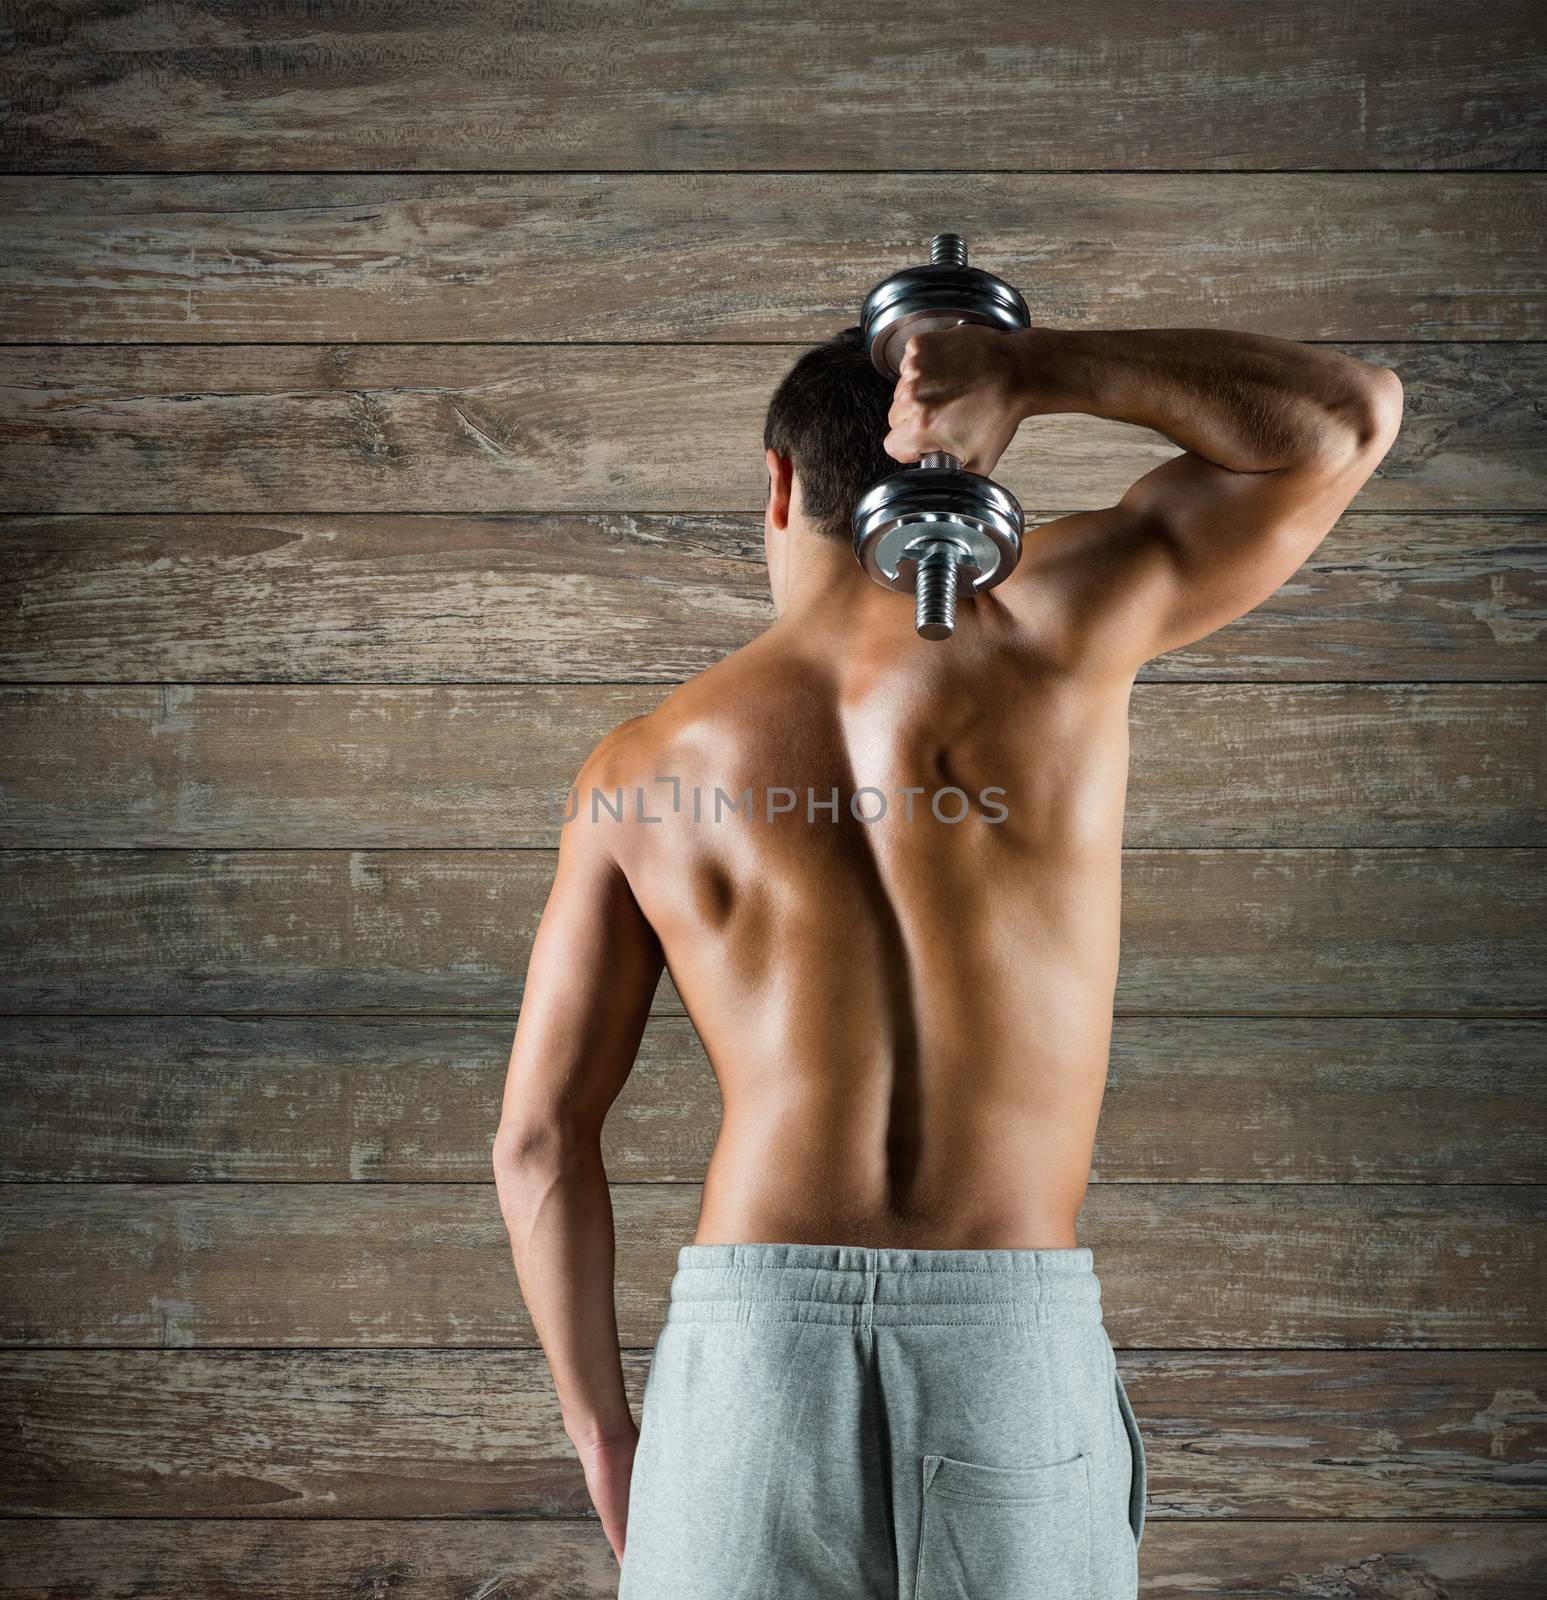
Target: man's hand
[
  {"x": 609, "y": 1469},
  {"x": 958, "y": 391}
]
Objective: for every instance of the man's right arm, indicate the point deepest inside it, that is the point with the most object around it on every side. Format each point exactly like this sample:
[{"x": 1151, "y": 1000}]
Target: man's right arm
[
  {"x": 594, "y": 968},
  {"x": 1276, "y": 439}
]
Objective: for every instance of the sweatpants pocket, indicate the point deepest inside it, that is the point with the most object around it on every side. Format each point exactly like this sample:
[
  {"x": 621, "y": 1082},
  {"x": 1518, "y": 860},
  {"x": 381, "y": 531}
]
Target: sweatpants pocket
[
  {"x": 1005, "y": 1533},
  {"x": 1139, "y": 1483}
]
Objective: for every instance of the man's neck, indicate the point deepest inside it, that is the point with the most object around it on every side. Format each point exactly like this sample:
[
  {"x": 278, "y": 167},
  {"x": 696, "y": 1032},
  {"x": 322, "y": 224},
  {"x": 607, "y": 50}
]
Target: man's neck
[{"x": 825, "y": 588}]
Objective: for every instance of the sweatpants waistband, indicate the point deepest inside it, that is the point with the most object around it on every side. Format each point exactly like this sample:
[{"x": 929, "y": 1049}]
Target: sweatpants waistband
[{"x": 862, "y": 1287}]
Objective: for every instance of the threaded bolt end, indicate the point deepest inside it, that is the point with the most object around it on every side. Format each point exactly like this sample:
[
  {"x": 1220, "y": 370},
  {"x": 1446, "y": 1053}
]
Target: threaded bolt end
[
  {"x": 934, "y": 614},
  {"x": 947, "y": 250}
]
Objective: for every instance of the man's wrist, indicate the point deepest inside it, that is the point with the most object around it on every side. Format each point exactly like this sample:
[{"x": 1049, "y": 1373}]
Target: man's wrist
[
  {"x": 596, "y": 1434},
  {"x": 1046, "y": 362}
]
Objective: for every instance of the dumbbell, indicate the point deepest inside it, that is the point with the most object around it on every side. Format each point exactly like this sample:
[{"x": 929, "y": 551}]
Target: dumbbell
[{"x": 933, "y": 525}]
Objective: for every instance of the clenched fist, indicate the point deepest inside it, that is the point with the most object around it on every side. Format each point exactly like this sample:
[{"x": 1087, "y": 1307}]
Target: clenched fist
[{"x": 960, "y": 391}]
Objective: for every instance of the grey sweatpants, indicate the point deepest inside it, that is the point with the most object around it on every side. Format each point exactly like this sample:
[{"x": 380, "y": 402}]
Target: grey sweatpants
[{"x": 826, "y": 1422}]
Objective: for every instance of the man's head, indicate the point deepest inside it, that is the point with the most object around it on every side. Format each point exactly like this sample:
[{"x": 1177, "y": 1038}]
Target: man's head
[{"x": 822, "y": 440}]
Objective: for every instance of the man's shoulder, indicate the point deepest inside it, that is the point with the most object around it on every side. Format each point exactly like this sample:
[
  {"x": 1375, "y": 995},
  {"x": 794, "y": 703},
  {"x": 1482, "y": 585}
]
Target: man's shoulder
[
  {"x": 621, "y": 752},
  {"x": 704, "y": 716}
]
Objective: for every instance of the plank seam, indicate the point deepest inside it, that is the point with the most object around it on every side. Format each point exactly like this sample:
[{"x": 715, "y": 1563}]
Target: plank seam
[
  {"x": 1266, "y": 1185},
  {"x": 1531, "y": 515},
  {"x": 547, "y": 849},
  {"x": 1460, "y": 341},
  {"x": 662, "y": 683},
  {"x": 475, "y": 1518},
  {"x": 387, "y": 1014},
  {"x": 88, "y": 174},
  {"x": 1524, "y": 513},
  {"x": 281, "y": 1352},
  {"x": 668, "y": 683}
]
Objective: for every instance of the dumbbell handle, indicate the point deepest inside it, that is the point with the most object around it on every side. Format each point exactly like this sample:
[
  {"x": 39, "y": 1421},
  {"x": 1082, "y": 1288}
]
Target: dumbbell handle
[
  {"x": 934, "y": 592},
  {"x": 933, "y": 527},
  {"x": 935, "y": 577}
]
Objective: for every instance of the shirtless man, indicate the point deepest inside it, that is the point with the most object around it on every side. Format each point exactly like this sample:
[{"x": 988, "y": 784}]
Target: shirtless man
[{"x": 883, "y": 1371}]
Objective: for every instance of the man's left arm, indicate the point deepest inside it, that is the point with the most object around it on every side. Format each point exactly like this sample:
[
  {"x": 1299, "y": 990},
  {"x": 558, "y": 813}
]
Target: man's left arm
[{"x": 594, "y": 969}]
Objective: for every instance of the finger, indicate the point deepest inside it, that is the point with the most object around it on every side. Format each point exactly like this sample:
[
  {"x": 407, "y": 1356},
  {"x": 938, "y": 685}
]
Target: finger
[
  {"x": 899, "y": 445},
  {"x": 922, "y": 427},
  {"x": 910, "y": 442}
]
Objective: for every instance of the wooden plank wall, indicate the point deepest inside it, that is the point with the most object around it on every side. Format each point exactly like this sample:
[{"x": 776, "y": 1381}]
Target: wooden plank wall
[{"x": 380, "y": 409}]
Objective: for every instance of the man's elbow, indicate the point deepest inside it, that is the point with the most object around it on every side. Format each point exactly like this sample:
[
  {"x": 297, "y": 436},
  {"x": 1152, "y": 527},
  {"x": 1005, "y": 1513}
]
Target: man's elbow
[
  {"x": 1380, "y": 414},
  {"x": 533, "y": 1153},
  {"x": 1369, "y": 418}
]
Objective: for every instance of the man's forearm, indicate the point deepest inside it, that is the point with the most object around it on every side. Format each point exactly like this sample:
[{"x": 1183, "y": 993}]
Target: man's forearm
[
  {"x": 559, "y": 1215},
  {"x": 1245, "y": 401}
]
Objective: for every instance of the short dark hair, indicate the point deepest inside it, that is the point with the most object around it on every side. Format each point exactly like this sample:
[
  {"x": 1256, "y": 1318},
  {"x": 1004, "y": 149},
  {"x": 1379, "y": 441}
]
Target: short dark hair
[{"x": 828, "y": 415}]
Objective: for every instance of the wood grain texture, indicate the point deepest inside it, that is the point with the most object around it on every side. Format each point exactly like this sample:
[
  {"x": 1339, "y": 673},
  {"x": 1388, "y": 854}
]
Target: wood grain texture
[
  {"x": 411, "y": 1099},
  {"x": 657, "y": 598},
  {"x": 1377, "y": 932},
  {"x": 337, "y": 767},
  {"x": 358, "y": 1099},
  {"x": 629, "y": 428},
  {"x": 570, "y": 1560},
  {"x": 515, "y": 598},
  {"x": 440, "y": 1433},
  {"x": 341, "y": 511},
  {"x": 1376, "y": 1561},
  {"x": 691, "y": 84},
  {"x": 1190, "y": 1266},
  {"x": 490, "y": 1560},
  {"x": 664, "y": 258}
]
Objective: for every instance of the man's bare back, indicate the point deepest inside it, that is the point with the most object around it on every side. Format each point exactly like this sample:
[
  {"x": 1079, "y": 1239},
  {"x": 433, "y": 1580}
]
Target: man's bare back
[{"x": 909, "y": 1016}]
